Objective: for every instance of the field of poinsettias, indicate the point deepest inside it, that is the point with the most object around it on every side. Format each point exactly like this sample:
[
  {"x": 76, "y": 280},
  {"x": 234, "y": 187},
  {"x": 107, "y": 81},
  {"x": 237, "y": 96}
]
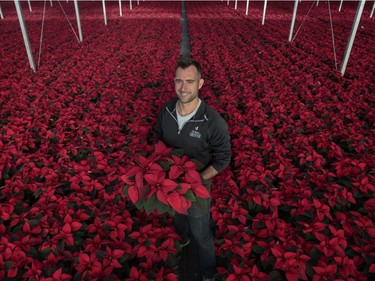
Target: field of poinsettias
[{"x": 297, "y": 201}]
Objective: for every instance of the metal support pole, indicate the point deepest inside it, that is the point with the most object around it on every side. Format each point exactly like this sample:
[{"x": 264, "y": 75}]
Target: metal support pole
[
  {"x": 24, "y": 34},
  {"x": 28, "y": 1},
  {"x": 1, "y": 13},
  {"x": 235, "y": 5},
  {"x": 247, "y": 7},
  {"x": 264, "y": 11},
  {"x": 104, "y": 12},
  {"x": 78, "y": 20},
  {"x": 372, "y": 11},
  {"x": 293, "y": 20},
  {"x": 227, "y": 2},
  {"x": 120, "y": 6},
  {"x": 50, "y": 1},
  {"x": 131, "y": 5},
  {"x": 340, "y": 5},
  {"x": 357, "y": 19}
]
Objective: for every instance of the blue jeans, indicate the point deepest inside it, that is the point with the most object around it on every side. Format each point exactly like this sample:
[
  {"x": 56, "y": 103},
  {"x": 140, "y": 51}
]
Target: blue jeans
[{"x": 197, "y": 224}]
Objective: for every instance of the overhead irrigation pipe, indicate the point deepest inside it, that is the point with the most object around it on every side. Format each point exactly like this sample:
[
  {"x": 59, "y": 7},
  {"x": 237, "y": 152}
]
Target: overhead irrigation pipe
[
  {"x": 357, "y": 19},
  {"x": 293, "y": 20},
  {"x": 24, "y": 34}
]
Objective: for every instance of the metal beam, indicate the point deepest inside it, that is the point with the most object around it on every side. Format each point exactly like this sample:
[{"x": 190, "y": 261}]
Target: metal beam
[
  {"x": 24, "y": 34},
  {"x": 293, "y": 20},
  {"x": 357, "y": 19},
  {"x": 78, "y": 20},
  {"x": 264, "y": 11},
  {"x": 104, "y": 12}
]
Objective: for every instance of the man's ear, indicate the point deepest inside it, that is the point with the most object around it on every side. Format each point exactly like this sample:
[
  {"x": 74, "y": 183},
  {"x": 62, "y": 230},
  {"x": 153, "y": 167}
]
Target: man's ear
[{"x": 201, "y": 82}]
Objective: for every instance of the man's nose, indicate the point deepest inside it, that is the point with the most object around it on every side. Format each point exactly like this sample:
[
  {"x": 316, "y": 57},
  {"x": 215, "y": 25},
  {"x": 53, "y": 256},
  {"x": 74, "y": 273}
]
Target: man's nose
[{"x": 183, "y": 86}]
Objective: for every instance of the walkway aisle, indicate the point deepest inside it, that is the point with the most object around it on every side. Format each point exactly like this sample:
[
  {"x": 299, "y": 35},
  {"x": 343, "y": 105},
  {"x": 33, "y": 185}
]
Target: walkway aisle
[{"x": 189, "y": 268}]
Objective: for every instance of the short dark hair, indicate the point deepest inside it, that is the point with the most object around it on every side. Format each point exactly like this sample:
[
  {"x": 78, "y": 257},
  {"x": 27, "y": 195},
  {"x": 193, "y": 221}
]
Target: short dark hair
[{"x": 185, "y": 62}]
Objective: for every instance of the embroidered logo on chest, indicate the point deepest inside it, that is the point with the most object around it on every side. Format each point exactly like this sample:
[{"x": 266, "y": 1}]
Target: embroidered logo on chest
[{"x": 195, "y": 134}]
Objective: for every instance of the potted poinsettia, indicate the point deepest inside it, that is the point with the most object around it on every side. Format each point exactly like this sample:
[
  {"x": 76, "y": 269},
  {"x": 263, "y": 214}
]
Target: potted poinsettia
[{"x": 166, "y": 181}]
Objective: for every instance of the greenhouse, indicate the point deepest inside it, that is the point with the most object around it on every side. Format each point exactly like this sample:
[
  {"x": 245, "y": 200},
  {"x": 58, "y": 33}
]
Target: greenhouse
[{"x": 97, "y": 171}]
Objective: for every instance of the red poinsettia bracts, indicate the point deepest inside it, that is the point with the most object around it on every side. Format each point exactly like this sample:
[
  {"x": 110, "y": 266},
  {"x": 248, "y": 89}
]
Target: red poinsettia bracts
[
  {"x": 297, "y": 200},
  {"x": 164, "y": 181}
]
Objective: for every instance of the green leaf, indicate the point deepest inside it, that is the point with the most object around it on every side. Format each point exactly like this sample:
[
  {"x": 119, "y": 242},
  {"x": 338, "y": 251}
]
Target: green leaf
[
  {"x": 162, "y": 208},
  {"x": 200, "y": 203},
  {"x": 38, "y": 192},
  {"x": 100, "y": 254},
  {"x": 33, "y": 222},
  {"x": 125, "y": 190},
  {"x": 315, "y": 255},
  {"x": 150, "y": 204},
  {"x": 8, "y": 265},
  {"x": 189, "y": 195},
  {"x": 45, "y": 252},
  {"x": 275, "y": 276},
  {"x": 257, "y": 249},
  {"x": 309, "y": 214}
]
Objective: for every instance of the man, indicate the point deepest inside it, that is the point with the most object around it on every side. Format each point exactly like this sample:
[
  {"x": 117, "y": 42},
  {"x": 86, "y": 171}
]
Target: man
[{"x": 187, "y": 122}]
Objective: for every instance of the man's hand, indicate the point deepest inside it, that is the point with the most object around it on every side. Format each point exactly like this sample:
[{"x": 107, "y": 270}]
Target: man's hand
[{"x": 209, "y": 173}]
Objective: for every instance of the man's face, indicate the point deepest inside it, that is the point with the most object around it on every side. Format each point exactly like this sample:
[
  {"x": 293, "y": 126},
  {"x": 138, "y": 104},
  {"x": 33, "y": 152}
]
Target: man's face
[{"x": 187, "y": 84}]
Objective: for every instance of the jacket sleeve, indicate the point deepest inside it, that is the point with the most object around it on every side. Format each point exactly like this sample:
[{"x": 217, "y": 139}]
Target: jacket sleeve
[{"x": 220, "y": 143}]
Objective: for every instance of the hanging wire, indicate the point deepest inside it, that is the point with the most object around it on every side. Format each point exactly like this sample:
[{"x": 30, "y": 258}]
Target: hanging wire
[
  {"x": 303, "y": 21},
  {"x": 333, "y": 36},
  {"x": 41, "y": 34},
  {"x": 68, "y": 20}
]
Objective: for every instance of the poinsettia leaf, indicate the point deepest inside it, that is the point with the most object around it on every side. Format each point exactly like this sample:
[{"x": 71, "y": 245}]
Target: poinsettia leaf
[
  {"x": 133, "y": 194},
  {"x": 100, "y": 254},
  {"x": 162, "y": 197},
  {"x": 191, "y": 165},
  {"x": 162, "y": 208},
  {"x": 175, "y": 172},
  {"x": 200, "y": 203},
  {"x": 174, "y": 200},
  {"x": 8, "y": 265},
  {"x": 161, "y": 148},
  {"x": 275, "y": 275},
  {"x": 189, "y": 195},
  {"x": 371, "y": 231},
  {"x": 169, "y": 185},
  {"x": 178, "y": 151},
  {"x": 150, "y": 204},
  {"x": 257, "y": 249},
  {"x": 201, "y": 191},
  {"x": 193, "y": 176}
]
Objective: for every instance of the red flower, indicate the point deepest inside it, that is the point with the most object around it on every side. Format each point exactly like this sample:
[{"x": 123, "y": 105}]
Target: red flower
[{"x": 88, "y": 266}]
